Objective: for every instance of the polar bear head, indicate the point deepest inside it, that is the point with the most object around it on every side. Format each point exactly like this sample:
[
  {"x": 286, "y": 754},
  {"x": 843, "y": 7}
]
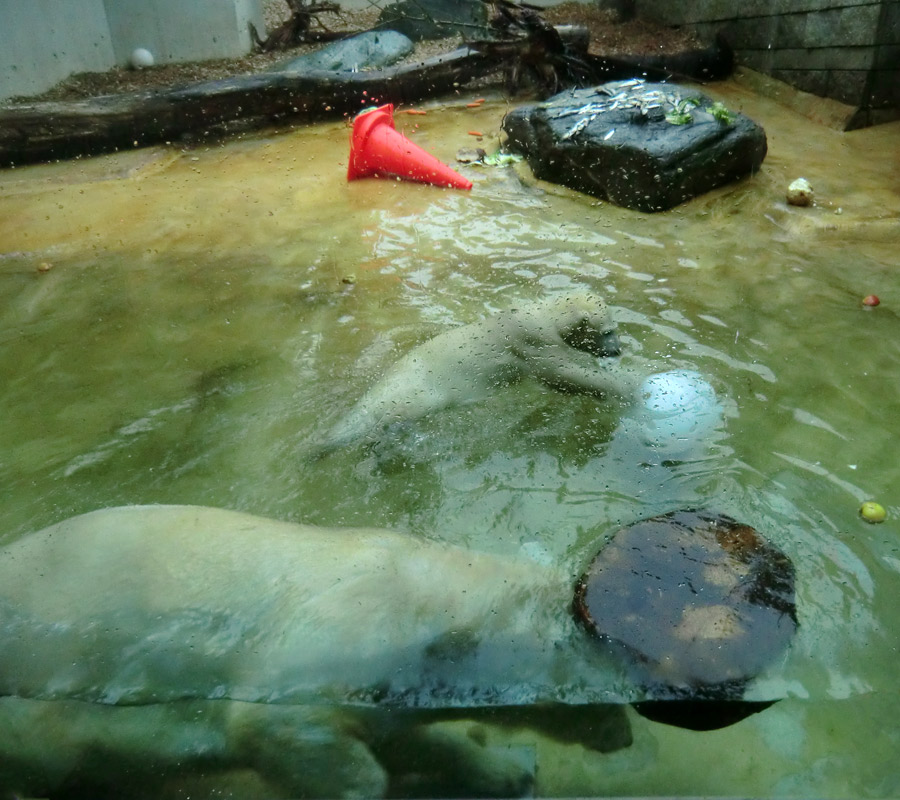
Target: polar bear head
[{"x": 584, "y": 322}]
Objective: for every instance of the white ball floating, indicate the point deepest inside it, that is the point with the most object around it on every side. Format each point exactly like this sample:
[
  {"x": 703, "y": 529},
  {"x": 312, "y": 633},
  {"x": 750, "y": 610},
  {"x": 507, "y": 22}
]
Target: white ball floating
[
  {"x": 141, "y": 57},
  {"x": 678, "y": 407}
]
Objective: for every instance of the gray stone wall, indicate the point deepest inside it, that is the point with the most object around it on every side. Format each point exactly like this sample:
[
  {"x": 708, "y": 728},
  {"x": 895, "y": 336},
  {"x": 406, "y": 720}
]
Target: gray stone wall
[
  {"x": 847, "y": 50},
  {"x": 883, "y": 89}
]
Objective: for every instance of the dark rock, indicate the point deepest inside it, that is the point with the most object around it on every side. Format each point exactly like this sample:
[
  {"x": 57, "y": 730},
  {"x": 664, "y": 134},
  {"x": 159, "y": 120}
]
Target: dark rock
[
  {"x": 619, "y": 142},
  {"x": 697, "y": 605},
  {"x": 436, "y": 19},
  {"x": 369, "y": 50}
]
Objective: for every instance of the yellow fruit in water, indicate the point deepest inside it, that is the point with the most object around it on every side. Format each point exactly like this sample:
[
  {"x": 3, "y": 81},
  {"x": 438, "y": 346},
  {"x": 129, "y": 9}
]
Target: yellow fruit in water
[{"x": 872, "y": 512}]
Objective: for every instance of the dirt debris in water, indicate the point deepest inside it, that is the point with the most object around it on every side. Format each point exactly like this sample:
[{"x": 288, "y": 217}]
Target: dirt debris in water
[{"x": 607, "y": 37}]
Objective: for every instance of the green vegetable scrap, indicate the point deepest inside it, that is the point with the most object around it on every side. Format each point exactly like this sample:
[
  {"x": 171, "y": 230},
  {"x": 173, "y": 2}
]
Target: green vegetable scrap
[
  {"x": 676, "y": 117},
  {"x": 719, "y": 112},
  {"x": 500, "y": 159},
  {"x": 681, "y": 111}
]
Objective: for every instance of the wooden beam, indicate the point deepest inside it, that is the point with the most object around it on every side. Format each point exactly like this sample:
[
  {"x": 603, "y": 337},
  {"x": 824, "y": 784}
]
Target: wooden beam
[{"x": 33, "y": 132}]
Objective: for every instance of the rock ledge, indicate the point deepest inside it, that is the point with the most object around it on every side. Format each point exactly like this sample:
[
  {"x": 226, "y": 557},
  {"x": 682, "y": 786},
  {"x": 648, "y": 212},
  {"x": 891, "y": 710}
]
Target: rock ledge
[{"x": 644, "y": 146}]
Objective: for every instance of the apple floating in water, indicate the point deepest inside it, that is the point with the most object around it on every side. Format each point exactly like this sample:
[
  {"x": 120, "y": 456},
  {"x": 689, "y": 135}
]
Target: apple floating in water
[
  {"x": 800, "y": 193},
  {"x": 871, "y": 511},
  {"x": 871, "y": 300}
]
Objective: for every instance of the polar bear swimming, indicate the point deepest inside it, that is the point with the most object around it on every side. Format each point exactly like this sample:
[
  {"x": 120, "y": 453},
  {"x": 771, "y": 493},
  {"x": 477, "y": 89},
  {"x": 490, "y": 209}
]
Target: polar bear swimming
[
  {"x": 152, "y": 641},
  {"x": 558, "y": 341},
  {"x": 147, "y": 645}
]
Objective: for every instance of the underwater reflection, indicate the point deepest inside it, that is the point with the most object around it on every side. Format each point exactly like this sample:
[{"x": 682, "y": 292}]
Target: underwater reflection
[{"x": 187, "y": 634}]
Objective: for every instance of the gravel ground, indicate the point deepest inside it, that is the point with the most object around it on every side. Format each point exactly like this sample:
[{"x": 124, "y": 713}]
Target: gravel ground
[{"x": 607, "y": 37}]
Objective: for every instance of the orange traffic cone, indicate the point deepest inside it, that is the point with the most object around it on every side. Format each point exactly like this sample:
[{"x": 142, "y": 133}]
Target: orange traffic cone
[{"x": 377, "y": 148}]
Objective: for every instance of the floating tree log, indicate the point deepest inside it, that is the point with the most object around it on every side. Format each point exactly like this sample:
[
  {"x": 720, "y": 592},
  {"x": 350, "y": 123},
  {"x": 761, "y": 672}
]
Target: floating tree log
[{"x": 46, "y": 131}]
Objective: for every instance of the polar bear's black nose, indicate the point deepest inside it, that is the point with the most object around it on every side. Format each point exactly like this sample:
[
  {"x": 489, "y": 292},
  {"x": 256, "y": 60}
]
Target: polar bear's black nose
[
  {"x": 598, "y": 343},
  {"x": 609, "y": 345}
]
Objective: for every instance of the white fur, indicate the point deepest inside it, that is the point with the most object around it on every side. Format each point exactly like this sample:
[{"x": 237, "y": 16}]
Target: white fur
[
  {"x": 469, "y": 362},
  {"x": 163, "y": 635}
]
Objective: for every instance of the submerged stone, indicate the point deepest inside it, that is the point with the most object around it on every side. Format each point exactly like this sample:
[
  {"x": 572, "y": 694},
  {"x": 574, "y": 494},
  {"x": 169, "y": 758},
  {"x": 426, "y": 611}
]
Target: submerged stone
[
  {"x": 697, "y": 605},
  {"x": 644, "y": 146}
]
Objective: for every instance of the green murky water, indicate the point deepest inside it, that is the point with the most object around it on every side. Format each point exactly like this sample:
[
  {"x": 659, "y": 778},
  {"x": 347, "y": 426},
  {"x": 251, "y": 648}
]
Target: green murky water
[{"x": 179, "y": 326}]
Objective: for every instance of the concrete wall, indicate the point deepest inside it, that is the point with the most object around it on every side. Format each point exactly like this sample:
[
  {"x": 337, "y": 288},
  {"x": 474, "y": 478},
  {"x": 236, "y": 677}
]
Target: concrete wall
[
  {"x": 182, "y": 30},
  {"x": 847, "y": 50},
  {"x": 45, "y": 41}
]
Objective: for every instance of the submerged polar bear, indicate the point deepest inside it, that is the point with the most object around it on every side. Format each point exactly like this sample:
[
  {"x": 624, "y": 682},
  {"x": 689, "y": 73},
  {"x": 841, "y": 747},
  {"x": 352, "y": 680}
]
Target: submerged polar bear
[
  {"x": 557, "y": 341},
  {"x": 142, "y": 645}
]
